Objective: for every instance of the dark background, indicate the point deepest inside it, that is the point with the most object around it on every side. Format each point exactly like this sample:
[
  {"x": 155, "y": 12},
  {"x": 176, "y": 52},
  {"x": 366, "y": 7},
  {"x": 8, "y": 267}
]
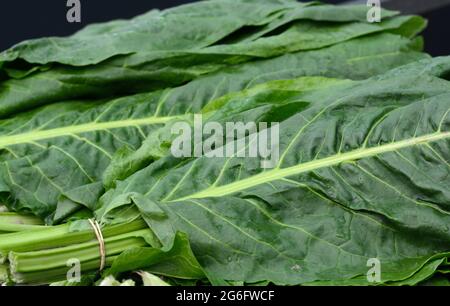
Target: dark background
[{"x": 25, "y": 19}]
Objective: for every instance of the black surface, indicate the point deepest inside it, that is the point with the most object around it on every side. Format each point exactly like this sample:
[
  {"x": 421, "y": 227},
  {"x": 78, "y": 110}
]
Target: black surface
[
  {"x": 437, "y": 33},
  {"x": 25, "y": 19},
  {"x": 410, "y": 6},
  {"x": 293, "y": 295}
]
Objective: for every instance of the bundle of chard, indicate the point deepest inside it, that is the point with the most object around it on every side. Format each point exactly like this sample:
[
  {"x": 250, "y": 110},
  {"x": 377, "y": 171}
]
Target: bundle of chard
[{"x": 358, "y": 114}]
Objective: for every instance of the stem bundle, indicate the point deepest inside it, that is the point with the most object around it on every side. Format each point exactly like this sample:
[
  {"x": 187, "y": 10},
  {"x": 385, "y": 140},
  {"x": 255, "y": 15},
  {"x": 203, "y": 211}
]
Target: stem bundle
[{"x": 47, "y": 254}]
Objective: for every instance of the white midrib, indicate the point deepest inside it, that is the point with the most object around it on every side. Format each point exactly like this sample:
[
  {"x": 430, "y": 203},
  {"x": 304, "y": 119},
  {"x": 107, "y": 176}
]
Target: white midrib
[
  {"x": 276, "y": 173},
  {"x": 9, "y": 140}
]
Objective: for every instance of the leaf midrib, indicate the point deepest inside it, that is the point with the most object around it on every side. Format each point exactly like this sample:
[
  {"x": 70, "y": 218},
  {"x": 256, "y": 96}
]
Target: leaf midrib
[
  {"x": 27, "y": 137},
  {"x": 278, "y": 173}
]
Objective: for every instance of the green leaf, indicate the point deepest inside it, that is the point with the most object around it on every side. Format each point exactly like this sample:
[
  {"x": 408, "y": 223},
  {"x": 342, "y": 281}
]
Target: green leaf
[
  {"x": 45, "y": 157},
  {"x": 149, "y": 70},
  {"x": 184, "y": 28},
  {"x": 356, "y": 59},
  {"x": 57, "y": 162},
  {"x": 363, "y": 170},
  {"x": 174, "y": 260},
  {"x": 341, "y": 13},
  {"x": 193, "y": 26},
  {"x": 363, "y": 173},
  {"x": 424, "y": 274}
]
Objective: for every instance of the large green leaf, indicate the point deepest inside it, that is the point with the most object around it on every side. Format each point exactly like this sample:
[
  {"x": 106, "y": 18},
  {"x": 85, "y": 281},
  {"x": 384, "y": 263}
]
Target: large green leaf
[
  {"x": 146, "y": 70},
  {"x": 363, "y": 173},
  {"x": 356, "y": 59},
  {"x": 341, "y": 13},
  {"x": 192, "y": 26},
  {"x": 58, "y": 154},
  {"x": 183, "y": 28},
  {"x": 62, "y": 149}
]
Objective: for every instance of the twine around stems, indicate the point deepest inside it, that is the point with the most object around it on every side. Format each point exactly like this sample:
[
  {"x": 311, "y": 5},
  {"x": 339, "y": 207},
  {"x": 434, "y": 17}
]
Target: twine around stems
[{"x": 101, "y": 242}]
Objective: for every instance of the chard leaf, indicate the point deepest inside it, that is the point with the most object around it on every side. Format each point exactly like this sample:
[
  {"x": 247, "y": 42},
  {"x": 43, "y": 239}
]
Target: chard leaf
[
  {"x": 45, "y": 157},
  {"x": 341, "y": 13},
  {"x": 424, "y": 274},
  {"x": 149, "y": 70},
  {"x": 176, "y": 260},
  {"x": 356, "y": 59},
  {"x": 183, "y": 28},
  {"x": 363, "y": 173},
  {"x": 53, "y": 163},
  {"x": 363, "y": 170},
  {"x": 186, "y": 27}
]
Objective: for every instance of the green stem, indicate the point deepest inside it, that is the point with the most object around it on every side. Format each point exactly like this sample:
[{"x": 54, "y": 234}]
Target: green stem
[
  {"x": 12, "y": 222},
  {"x": 58, "y": 257},
  {"x": 58, "y": 274},
  {"x": 52, "y": 265},
  {"x": 58, "y": 236},
  {"x": 12, "y": 228}
]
